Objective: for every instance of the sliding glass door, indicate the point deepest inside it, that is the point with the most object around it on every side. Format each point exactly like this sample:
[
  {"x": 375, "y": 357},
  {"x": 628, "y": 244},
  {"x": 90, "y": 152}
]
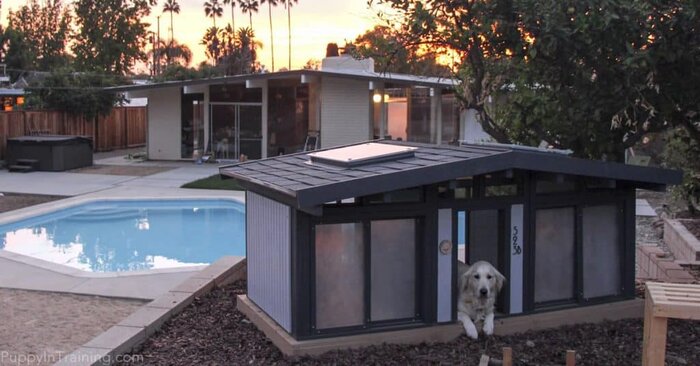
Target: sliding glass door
[{"x": 235, "y": 129}]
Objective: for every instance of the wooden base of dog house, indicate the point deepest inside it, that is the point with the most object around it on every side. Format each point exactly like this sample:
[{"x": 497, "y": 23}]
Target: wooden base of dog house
[{"x": 439, "y": 333}]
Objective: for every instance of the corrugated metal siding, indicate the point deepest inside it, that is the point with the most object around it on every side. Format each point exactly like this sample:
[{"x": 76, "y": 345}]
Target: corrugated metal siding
[
  {"x": 344, "y": 112},
  {"x": 268, "y": 250}
]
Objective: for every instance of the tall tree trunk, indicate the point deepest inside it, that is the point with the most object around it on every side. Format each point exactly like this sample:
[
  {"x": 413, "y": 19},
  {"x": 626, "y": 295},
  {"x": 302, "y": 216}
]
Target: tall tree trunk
[
  {"x": 272, "y": 38},
  {"x": 233, "y": 17},
  {"x": 289, "y": 33},
  {"x": 250, "y": 18},
  {"x": 172, "y": 30}
]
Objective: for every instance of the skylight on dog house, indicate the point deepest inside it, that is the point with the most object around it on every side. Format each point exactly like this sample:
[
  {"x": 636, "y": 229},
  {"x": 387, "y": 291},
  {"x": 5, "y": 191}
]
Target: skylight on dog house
[{"x": 370, "y": 238}]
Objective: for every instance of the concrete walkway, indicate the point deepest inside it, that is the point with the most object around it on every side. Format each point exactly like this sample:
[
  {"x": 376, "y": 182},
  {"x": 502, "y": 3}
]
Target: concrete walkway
[{"x": 73, "y": 184}]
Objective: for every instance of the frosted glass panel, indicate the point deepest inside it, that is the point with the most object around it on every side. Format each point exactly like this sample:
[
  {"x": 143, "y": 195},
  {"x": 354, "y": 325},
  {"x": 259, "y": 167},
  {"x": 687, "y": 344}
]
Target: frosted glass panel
[
  {"x": 339, "y": 275},
  {"x": 554, "y": 254},
  {"x": 601, "y": 252},
  {"x": 393, "y": 267},
  {"x": 483, "y": 236}
]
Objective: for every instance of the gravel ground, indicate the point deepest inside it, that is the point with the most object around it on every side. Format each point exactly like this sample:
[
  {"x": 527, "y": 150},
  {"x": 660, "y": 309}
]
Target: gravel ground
[
  {"x": 212, "y": 332},
  {"x": 37, "y": 328},
  {"x": 13, "y": 201}
]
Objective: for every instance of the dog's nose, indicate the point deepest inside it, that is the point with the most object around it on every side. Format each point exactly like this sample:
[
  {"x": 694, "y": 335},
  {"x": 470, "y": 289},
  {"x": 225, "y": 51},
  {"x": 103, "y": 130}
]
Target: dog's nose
[{"x": 484, "y": 292}]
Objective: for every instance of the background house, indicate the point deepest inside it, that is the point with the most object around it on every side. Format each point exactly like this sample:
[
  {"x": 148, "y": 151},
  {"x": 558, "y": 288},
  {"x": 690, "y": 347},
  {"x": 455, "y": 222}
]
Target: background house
[{"x": 269, "y": 114}]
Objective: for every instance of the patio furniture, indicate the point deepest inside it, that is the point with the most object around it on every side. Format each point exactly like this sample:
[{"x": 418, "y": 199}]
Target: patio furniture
[{"x": 663, "y": 301}]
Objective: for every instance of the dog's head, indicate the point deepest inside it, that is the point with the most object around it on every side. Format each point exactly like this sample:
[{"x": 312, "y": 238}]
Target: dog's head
[{"x": 482, "y": 280}]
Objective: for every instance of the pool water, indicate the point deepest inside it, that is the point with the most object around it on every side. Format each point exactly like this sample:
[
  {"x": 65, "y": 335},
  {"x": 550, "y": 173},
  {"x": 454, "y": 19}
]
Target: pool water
[{"x": 107, "y": 236}]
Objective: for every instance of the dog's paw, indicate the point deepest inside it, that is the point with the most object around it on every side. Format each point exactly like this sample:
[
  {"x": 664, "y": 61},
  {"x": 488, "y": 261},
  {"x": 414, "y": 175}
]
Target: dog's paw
[
  {"x": 470, "y": 329},
  {"x": 488, "y": 328}
]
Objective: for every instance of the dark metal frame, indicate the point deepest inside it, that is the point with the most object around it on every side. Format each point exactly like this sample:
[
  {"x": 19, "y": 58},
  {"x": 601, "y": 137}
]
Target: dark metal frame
[
  {"x": 303, "y": 283},
  {"x": 426, "y": 212}
]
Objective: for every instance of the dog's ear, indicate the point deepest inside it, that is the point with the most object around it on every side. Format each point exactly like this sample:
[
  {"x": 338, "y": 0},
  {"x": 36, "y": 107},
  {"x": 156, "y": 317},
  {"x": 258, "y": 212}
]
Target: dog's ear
[{"x": 500, "y": 279}]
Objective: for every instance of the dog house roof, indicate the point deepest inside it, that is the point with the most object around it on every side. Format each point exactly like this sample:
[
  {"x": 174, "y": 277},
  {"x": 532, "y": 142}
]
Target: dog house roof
[{"x": 303, "y": 182}]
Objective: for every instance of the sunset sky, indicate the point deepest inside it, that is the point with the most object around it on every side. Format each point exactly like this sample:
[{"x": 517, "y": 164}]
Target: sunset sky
[{"x": 314, "y": 24}]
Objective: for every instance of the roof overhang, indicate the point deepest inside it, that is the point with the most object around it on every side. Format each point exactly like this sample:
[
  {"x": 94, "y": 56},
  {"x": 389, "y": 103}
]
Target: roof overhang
[{"x": 305, "y": 76}]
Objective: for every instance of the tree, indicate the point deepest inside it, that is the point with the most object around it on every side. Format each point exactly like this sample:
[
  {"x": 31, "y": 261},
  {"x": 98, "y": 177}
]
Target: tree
[
  {"x": 477, "y": 33},
  {"x": 288, "y": 4},
  {"x": 110, "y": 35},
  {"x": 43, "y": 32},
  {"x": 270, "y": 4},
  {"x": 213, "y": 9},
  {"x": 233, "y": 12},
  {"x": 250, "y": 7},
  {"x": 171, "y": 53},
  {"x": 232, "y": 53},
  {"x": 77, "y": 93},
  {"x": 594, "y": 76},
  {"x": 171, "y": 6},
  {"x": 392, "y": 53}
]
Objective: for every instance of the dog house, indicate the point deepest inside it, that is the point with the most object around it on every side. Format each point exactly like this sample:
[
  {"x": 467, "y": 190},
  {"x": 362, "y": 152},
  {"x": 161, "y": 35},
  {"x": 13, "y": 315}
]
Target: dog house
[{"x": 365, "y": 238}]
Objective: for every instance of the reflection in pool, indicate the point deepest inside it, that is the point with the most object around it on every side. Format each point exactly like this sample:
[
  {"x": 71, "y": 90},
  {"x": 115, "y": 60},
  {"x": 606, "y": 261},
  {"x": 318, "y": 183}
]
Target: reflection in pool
[{"x": 108, "y": 236}]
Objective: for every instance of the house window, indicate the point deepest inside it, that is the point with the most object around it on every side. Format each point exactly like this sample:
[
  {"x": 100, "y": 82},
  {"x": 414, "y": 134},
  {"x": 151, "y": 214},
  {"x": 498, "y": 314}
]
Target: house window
[
  {"x": 339, "y": 275},
  {"x": 554, "y": 254},
  {"x": 393, "y": 263},
  {"x": 365, "y": 273},
  {"x": 578, "y": 253},
  {"x": 601, "y": 252}
]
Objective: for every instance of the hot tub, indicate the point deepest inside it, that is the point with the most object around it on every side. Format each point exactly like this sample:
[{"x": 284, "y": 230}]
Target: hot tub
[{"x": 51, "y": 152}]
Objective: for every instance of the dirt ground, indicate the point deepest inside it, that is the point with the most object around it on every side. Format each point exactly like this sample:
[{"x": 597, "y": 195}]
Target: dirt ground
[
  {"x": 37, "y": 328},
  {"x": 13, "y": 201},
  {"x": 130, "y": 170}
]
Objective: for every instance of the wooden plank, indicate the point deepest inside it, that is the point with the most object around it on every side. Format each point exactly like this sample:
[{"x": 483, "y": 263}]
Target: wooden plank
[
  {"x": 654, "y": 338},
  {"x": 671, "y": 285},
  {"x": 570, "y": 358},
  {"x": 676, "y": 310},
  {"x": 507, "y": 356},
  {"x": 484, "y": 361}
]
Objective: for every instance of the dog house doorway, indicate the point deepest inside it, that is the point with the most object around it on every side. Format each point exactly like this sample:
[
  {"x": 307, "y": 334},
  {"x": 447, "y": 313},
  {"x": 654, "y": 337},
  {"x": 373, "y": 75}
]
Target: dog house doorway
[{"x": 481, "y": 237}]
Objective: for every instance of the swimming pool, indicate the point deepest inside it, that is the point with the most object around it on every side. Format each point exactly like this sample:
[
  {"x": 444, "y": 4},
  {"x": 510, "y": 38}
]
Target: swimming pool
[{"x": 107, "y": 236}]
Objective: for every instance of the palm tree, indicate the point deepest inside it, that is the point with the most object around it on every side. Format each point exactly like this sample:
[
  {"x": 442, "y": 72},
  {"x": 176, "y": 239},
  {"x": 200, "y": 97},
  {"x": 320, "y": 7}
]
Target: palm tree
[
  {"x": 233, "y": 12},
  {"x": 270, "y": 4},
  {"x": 288, "y": 4},
  {"x": 177, "y": 53},
  {"x": 250, "y": 7},
  {"x": 213, "y": 9},
  {"x": 171, "y": 6}
]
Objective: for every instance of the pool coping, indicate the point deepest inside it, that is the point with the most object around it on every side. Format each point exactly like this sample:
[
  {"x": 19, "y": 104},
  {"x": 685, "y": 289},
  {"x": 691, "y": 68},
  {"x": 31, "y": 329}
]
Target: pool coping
[{"x": 132, "y": 331}]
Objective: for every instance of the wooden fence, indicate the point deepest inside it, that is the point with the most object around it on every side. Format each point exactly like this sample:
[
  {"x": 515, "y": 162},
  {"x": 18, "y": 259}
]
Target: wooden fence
[{"x": 124, "y": 127}]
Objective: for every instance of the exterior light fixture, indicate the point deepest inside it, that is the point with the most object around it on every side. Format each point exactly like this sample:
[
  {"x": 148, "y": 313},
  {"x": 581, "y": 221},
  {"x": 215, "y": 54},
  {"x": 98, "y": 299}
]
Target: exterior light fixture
[
  {"x": 20, "y": 100},
  {"x": 377, "y": 98}
]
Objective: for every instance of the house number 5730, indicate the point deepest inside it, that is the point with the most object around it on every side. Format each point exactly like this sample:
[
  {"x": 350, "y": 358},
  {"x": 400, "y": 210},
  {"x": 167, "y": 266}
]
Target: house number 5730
[{"x": 517, "y": 250}]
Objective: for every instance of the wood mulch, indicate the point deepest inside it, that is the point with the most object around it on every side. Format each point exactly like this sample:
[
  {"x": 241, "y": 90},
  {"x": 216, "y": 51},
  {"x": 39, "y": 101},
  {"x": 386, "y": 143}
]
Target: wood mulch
[{"x": 212, "y": 332}]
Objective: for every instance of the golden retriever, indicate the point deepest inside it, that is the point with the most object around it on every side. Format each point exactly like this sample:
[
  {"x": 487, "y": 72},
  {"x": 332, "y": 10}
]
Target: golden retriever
[{"x": 479, "y": 285}]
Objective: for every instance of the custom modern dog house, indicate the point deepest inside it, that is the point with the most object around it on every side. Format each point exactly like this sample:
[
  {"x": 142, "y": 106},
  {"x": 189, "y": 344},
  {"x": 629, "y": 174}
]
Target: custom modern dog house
[
  {"x": 366, "y": 237},
  {"x": 269, "y": 114}
]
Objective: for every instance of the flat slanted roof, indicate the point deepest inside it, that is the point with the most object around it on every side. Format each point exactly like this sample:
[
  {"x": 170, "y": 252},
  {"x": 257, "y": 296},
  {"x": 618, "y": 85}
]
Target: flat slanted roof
[{"x": 300, "y": 182}]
